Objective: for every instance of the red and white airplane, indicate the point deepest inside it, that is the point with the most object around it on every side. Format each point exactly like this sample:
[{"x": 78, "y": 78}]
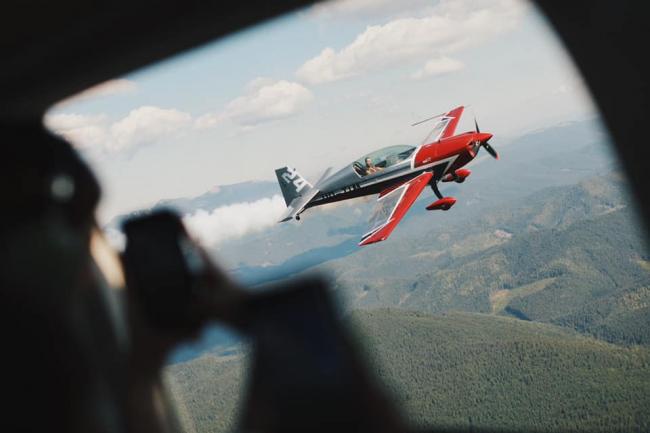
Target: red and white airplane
[{"x": 397, "y": 173}]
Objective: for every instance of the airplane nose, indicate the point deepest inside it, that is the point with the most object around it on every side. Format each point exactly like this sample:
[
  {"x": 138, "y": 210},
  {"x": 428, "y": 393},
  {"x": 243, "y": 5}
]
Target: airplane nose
[{"x": 485, "y": 136}]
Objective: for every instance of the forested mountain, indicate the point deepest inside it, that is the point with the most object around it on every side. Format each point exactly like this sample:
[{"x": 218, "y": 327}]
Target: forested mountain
[
  {"x": 573, "y": 256},
  {"x": 206, "y": 391},
  {"x": 462, "y": 370},
  {"x": 526, "y": 306}
]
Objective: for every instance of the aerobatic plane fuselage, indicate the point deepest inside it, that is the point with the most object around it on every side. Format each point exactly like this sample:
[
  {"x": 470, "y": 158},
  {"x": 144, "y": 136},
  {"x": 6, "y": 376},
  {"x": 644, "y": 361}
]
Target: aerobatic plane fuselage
[{"x": 397, "y": 173}]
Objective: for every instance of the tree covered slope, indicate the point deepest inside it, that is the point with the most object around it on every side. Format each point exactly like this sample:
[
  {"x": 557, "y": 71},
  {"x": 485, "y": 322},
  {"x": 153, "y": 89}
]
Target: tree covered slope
[{"x": 462, "y": 370}]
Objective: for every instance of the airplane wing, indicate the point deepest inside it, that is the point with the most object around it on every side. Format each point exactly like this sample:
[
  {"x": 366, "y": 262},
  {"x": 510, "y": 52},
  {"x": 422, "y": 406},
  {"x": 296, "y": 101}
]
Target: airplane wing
[
  {"x": 446, "y": 125},
  {"x": 392, "y": 205}
]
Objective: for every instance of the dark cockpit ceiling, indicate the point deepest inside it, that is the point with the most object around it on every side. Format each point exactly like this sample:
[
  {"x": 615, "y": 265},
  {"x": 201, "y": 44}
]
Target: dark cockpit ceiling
[{"x": 51, "y": 50}]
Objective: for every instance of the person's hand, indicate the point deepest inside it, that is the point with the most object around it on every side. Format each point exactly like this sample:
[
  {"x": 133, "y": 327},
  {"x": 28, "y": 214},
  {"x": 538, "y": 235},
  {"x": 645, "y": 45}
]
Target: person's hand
[{"x": 213, "y": 297}]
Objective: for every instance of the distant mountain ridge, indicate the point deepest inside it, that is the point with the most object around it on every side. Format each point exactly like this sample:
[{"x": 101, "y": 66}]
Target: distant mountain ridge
[
  {"x": 555, "y": 256},
  {"x": 468, "y": 258},
  {"x": 558, "y": 243}
]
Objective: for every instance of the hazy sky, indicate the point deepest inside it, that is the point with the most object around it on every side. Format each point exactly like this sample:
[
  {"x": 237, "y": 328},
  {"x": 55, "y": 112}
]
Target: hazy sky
[{"x": 318, "y": 88}]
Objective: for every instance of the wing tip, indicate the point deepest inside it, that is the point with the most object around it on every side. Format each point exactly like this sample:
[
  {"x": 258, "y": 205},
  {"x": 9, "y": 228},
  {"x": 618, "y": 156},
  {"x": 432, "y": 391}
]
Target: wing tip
[{"x": 371, "y": 241}]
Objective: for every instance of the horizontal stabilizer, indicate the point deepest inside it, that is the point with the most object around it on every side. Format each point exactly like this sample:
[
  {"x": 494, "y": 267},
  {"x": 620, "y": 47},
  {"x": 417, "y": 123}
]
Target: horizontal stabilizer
[{"x": 298, "y": 204}]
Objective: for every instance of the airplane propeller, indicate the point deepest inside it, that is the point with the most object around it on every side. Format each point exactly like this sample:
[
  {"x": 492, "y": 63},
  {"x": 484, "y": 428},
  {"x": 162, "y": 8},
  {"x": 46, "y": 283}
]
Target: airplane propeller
[
  {"x": 485, "y": 143},
  {"x": 490, "y": 149}
]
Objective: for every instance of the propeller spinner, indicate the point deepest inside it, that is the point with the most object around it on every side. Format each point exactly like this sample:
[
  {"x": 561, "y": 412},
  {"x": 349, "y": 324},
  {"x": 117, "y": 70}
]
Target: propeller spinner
[{"x": 485, "y": 143}]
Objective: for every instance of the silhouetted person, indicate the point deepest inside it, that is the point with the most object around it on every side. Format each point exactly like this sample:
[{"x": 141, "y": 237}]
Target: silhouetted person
[{"x": 82, "y": 354}]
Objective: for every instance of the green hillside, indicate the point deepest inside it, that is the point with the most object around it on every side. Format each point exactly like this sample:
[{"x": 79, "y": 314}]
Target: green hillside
[
  {"x": 536, "y": 277},
  {"x": 572, "y": 256},
  {"x": 467, "y": 369},
  {"x": 461, "y": 370},
  {"x": 206, "y": 391}
]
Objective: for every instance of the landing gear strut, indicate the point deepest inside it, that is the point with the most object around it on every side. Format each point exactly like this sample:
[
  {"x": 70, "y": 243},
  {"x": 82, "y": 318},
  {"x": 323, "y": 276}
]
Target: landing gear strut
[{"x": 434, "y": 187}]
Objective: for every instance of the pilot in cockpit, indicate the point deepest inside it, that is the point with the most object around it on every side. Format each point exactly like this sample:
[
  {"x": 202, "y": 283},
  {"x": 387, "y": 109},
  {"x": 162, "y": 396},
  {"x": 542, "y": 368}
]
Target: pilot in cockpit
[{"x": 370, "y": 167}]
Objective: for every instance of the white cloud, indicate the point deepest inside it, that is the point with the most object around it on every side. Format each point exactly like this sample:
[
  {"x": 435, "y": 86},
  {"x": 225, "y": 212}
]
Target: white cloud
[
  {"x": 451, "y": 26},
  {"x": 146, "y": 125},
  {"x": 142, "y": 126},
  {"x": 438, "y": 66},
  {"x": 265, "y": 100},
  {"x": 234, "y": 221}
]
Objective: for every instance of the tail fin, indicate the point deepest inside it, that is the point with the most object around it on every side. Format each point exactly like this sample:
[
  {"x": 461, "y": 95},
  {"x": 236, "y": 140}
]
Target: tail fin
[{"x": 291, "y": 183}]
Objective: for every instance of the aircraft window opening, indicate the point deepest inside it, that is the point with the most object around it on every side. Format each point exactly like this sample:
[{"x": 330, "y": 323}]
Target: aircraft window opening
[
  {"x": 413, "y": 270},
  {"x": 382, "y": 159}
]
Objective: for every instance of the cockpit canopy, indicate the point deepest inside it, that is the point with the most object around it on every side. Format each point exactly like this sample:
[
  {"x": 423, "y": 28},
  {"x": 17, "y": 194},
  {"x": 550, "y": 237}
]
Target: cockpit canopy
[{"x": 382, "y": 159}]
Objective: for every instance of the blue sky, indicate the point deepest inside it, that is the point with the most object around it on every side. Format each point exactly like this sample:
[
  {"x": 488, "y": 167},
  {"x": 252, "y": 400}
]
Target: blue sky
[{"x": 318, "y": 88}]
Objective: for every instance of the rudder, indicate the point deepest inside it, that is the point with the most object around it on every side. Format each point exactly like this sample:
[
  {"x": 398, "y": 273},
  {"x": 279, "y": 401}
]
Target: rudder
[{"x": 292, "y": 184}]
